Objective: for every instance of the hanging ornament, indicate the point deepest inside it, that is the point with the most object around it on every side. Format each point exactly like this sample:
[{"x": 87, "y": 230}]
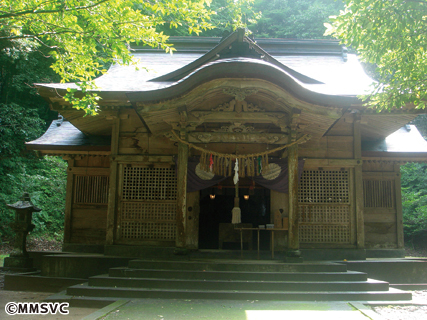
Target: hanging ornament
[
  {"x": 236, "y": 172},
  {"x": 236, "y": 213},
  {"x": 211, "y": 162},
  {"x": 259, "y": 165}
]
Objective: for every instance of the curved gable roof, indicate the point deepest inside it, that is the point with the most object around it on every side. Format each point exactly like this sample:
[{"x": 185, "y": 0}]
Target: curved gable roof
[{"x": 233, "y": 46}]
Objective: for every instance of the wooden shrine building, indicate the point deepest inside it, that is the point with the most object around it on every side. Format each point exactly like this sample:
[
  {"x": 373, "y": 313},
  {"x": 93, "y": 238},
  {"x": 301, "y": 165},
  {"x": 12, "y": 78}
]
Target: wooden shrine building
[{"x": 155, "y": 167}]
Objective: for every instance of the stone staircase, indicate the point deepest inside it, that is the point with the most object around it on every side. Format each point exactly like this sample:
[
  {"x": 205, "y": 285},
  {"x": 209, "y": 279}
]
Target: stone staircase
[{"x": 236, "y": 280}]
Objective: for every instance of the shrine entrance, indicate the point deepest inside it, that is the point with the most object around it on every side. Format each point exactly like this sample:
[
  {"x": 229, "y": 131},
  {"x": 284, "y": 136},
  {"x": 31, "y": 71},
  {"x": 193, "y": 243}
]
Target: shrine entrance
[{"x": 215, "y": 228}]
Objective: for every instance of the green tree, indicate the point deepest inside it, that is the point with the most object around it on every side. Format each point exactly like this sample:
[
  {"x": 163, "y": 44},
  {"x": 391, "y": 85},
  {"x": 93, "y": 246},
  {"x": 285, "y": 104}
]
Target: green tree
[
  {"x": 227, "y": 15},
  {"x": 83, "y": 36},
  {"x": 293, "y": 19},
  {"x": 414, "y": 201},
  {"x": 232, "y": 14},
  {"x": 391, "y": 35},
  {"x": 21, "y": 171}
]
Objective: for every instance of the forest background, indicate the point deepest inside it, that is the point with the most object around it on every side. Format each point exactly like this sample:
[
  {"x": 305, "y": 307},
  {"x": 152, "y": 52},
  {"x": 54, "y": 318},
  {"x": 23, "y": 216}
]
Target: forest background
[{"x": 24, "y": 115}]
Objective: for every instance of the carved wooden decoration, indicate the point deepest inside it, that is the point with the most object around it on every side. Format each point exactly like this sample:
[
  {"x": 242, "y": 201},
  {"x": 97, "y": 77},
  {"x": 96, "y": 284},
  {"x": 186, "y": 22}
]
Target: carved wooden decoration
[
  {"x": 236, "y": 127},
  {"x": 238, "y": 106},
  {"x": 237, "y": 137},
  {"x": 239, "y": 93}
]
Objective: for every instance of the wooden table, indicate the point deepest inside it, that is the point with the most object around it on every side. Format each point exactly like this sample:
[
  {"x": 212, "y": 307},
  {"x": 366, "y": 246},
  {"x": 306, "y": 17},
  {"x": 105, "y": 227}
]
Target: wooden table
[{"x": 258, "y": 230}]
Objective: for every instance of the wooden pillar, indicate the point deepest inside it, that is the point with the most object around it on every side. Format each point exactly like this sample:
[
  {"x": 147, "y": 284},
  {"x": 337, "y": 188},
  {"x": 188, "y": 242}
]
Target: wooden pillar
[
  {"x": 279, "y": 205},
  {"x": 293, "y": 233},
  {"x": 181, "y": 203},
  {"x": 192, "y": 226},
  {"x": 358, "y": 184},
  {"x": 399, "y": 213},
  {"x": 112, "y": 194},
  {"x": 69, "y": 201}
]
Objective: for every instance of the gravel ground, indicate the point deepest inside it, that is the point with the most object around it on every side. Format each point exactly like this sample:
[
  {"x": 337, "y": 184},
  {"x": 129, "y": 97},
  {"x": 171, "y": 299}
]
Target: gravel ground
[
  {"x": 33, "y": 244},
  {"x": 406, "y": 312}
]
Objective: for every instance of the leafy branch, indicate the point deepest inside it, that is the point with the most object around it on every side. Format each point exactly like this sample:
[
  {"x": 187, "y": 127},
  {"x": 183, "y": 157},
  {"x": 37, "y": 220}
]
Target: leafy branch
[{"x": 61, "y": 8}]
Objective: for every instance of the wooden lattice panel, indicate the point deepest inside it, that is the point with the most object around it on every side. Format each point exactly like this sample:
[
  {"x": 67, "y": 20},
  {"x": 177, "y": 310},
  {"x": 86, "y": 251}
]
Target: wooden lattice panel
[
  {"x": 148, "y": 204},
  {"x": 324, "y": 207},
  {"x": 378, "y": 193},
  {"x": 91, "y": 189},
  {"x": 149, "y": 211},
  {"x": 324, "y": 234},
  {"x": 324, "y": 214},
  {"x": 133, "y": 230},
  {"x": 144, "y": 183},
  {"x": 324, "y": 186}
]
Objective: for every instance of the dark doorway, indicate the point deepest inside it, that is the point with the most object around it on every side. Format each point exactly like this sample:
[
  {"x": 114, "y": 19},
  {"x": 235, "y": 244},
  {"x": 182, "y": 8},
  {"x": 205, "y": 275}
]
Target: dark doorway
[{"x": 255, "y": 210}]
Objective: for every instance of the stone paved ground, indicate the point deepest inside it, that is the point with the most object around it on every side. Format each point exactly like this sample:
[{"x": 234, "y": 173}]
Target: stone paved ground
[{"x": 157, "y": 309}]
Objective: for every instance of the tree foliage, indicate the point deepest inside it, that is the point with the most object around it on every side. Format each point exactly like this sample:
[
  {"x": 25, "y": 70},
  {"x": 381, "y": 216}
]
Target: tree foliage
[
  {"x": 392, "y": 35},
  {"x": 83, "y": 36},
  {"x": 45, "y": 180},
  {"x": 301, "y": 19},
  {"x": 227, "y": 15},
  {"x": 414, "y": 200},
  {"x": 21, "y": 171}
]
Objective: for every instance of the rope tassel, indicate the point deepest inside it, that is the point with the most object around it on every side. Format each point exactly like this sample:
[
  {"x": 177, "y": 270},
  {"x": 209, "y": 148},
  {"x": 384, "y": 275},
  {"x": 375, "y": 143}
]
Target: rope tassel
[{"x": 236, "y": 215}]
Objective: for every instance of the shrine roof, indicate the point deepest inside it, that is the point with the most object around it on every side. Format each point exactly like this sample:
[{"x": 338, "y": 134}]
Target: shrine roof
[
  {"x": 62, "y": 135},
  {"x": 406, "y": 141},
  {"x": 323, "y": 67}
]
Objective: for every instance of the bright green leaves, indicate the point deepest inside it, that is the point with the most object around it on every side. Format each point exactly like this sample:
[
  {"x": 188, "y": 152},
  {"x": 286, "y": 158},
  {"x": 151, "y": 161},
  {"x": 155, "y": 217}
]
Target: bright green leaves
[
  {"x": 302, "y": 19},
  {"x": 84, "y": 37},
  {"x": 84, "y": 99},
  {"x": 392, "y": 35}
]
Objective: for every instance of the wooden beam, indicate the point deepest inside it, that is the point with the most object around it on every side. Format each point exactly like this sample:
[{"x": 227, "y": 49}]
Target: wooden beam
[
  {"x": 358, "y": 184},
  {"x": 90, "y": 171},
  {"x": 234, "y": 137},
  {"x": 253, "y": 117},
  {"x": 399, "y": 213},
  {"x": 146, "y": 158},
  {"x": 316, "y": 163},
  {"x": 112, "y": 195},
  {"x": 181, "y": 203},
  {"x": 69, "y": 201}
]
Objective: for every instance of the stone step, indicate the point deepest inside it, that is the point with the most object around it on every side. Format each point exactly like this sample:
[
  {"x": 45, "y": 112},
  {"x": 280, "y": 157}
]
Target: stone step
[
  {"x": 231, "y": 285},
  {"x": 248, "y": 265},
  {"x": 84, "y": 290},
  {"x": 241, "y": 275}
]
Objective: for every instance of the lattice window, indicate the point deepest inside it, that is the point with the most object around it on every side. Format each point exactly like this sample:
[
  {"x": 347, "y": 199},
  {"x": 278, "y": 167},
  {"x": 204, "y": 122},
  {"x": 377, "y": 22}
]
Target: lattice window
[
  {"x": 148, "y": 204},
  {"x": 378, "y": 193},
  {"x": 324, "y": 206},
  {"x": 324, "y": 234},
  {"x": 324, "y": 214},
  {"x": 144, "y": 183},
  {"x": 324, "y": 186},
  {"x": 91, "y": 189},
  {"x": 132, "y": 230},
  {"x": 149, "y": 211}
]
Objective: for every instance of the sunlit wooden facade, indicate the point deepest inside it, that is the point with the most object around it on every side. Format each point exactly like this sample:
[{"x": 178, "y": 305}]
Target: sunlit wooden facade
[{"x": 127, "y": 174}]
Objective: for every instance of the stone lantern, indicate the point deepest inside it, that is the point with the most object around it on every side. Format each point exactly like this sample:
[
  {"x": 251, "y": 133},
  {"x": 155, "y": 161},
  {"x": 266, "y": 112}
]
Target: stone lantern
[{"x": 19, "y": 259}]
